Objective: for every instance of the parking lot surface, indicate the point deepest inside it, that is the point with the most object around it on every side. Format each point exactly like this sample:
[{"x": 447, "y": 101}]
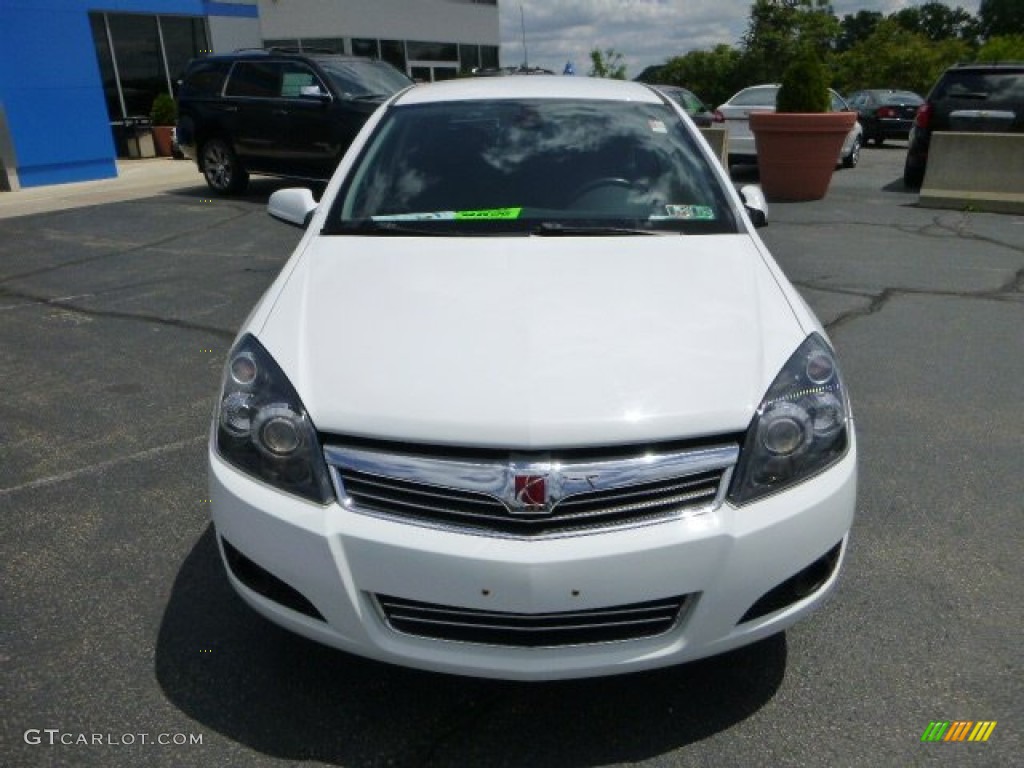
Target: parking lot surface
[{"x": 122, "y": 643}]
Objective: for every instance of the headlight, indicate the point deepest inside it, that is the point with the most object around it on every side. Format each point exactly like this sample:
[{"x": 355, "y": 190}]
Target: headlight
[
  {"x": 262, "y": 426},
  {"x": 801, "y": 427}
]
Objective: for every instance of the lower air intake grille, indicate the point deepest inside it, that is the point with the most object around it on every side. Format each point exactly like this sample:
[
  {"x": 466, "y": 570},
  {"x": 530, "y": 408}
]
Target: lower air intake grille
[{"x": 532, "y": 630}]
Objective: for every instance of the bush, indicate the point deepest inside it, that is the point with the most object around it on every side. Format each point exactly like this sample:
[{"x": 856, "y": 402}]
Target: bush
[
  {"x": 804, "y": 85},
  {"x": 164, "y": 111}
]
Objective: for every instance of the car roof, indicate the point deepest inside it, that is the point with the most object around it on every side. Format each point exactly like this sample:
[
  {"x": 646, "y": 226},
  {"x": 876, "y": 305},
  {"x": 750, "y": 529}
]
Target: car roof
[
  {"x": 982, "y": 65},
  {"x": 661, "y": 87},
  {"x": 284, "y": 53},
  {"x": 527, "y": 87}
]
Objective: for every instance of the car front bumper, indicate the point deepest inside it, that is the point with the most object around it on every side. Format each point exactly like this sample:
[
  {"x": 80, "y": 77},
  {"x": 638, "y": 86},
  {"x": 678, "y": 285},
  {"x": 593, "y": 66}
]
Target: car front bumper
[{"x": 326, "y": 566}]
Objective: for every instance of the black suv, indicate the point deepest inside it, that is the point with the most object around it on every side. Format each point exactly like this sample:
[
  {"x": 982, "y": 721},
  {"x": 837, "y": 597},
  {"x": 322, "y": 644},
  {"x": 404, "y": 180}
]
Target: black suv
[
  {"x": 277, "y": 112},
  {"x": 967, "y": 97}
]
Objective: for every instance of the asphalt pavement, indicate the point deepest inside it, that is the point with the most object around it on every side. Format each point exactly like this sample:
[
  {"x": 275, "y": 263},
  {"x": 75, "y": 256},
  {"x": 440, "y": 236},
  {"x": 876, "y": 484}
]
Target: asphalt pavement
[{"x": 122, "y": 643}]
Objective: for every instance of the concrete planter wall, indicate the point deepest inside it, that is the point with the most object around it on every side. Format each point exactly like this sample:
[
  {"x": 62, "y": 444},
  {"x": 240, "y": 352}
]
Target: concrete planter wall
[{"x": 797, "y": 152}]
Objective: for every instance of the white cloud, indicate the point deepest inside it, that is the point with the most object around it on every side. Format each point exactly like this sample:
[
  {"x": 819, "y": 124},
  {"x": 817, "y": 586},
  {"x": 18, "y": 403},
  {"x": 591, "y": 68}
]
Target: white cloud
[{"x": 645, "y": 32}]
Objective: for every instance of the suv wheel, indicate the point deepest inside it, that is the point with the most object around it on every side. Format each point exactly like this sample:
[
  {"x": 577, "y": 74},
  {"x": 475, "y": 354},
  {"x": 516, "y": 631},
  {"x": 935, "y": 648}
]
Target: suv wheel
[
  {"x": 851, "y": 160},
  {"x": 221, "y": 168},
  {"x": 913, "y": 175}
]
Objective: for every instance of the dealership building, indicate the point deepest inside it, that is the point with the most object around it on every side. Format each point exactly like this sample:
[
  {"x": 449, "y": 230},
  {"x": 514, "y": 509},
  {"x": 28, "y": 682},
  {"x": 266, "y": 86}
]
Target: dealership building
[{"x": 78, "y": 77}]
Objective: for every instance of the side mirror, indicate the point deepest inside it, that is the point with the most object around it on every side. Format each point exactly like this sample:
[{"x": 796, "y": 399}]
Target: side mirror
[
  {"x": 293, "y": 206},
  {"x": 756, "y": 205},
  {"x": 313, "y": 93}
]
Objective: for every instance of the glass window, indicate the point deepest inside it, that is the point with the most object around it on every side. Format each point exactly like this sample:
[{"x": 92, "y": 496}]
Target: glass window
[
  {"x": 469, "y": 57},
  {"x": 393, "y": 52},
  {"x": 206, "y": 79},
  {"x": 184, "y": 39},
  {"x": 295, "y": 77},
  {"x": 365, "y": 47},
  {"x": 520, "y": 166},
  {"x": 139, "y": 63},
  {"x": 432, "y": 51},
  {"x": 329, "y": 44},
  {"x": 102, "y": 45},
  {"x": 287, "y": 43},
  {"x": 760, "y": 96},
  {"x": 360, "y": 79},
  {"x": 489, "y": 56},
  {"x": 254, "y": 79}
]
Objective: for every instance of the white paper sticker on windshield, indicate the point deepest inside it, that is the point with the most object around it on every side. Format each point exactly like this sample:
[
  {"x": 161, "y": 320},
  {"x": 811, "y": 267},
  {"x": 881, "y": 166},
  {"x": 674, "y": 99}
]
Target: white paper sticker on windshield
[
  {"x": 657, "y": 126},
  {"x": 692, "y": 212},
  {"x": 425, "y": 216}
]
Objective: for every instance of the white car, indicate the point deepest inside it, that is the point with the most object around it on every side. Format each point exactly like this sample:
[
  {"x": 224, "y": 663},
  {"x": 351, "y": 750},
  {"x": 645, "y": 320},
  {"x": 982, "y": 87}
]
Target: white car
[
  {"x": 734, "y": 114},
  {"x": 531, "y": 399}
]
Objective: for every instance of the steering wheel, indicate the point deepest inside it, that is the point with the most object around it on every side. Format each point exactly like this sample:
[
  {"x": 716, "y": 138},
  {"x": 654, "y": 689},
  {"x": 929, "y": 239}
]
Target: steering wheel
[{"x": 602, "y": 183}]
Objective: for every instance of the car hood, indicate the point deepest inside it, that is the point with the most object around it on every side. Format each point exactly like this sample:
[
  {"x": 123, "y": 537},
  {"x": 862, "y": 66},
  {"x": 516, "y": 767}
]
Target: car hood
[{"x": 530, "y": 342}]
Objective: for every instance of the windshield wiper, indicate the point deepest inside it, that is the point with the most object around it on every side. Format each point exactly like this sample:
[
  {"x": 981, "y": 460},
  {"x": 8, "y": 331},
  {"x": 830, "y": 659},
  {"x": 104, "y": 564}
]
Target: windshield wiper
[
  {"x": 556, "y": 229},
  {"x": 382, "y": 229}
]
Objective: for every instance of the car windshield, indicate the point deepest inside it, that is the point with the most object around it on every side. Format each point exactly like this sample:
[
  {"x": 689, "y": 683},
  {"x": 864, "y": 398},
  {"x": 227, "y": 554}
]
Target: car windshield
[
  {"x": 537, "y": 166},
  {"x": 902, "y": 97},
  {"x": 996, "y": 87},
  {"x": 364, "y": 79},
  {"x": 758, "y": 96}
]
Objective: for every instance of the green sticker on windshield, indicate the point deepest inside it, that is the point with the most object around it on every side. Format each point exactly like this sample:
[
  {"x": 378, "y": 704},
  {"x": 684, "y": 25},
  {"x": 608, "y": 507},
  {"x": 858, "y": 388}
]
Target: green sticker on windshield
[{"x": 490, "y": 213}]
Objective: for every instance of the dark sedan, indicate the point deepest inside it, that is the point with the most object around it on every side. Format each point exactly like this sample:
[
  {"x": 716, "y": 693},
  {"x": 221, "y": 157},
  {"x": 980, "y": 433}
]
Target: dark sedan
[{"x": 885, "y": 113}]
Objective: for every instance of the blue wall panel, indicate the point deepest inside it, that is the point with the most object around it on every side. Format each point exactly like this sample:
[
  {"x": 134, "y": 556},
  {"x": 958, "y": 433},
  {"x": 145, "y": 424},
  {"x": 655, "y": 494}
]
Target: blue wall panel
[{"x": 50, "y": 86}]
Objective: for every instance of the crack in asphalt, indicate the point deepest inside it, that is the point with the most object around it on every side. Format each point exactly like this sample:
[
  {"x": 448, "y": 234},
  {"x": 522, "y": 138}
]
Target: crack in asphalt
[
  {"x": 939, "y": 226},
  {"x": 102, "y": 465},
  {"x": 65, "y": 303},
  {"x": 126, "y": 251},
  {"x": 1011, "y": 290}
]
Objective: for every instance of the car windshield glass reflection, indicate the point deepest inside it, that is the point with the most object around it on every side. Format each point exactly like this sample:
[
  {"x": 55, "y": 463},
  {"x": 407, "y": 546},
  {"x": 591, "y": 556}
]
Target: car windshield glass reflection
[
  {"x": 532, "y": 167},
  {"x": 364, "y": 79}
]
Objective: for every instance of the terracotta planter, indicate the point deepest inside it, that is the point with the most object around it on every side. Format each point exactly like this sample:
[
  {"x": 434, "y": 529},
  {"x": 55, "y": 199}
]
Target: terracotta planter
[
  {"x": 163, "y": 140},
  {"x": 797, "y": 152}
]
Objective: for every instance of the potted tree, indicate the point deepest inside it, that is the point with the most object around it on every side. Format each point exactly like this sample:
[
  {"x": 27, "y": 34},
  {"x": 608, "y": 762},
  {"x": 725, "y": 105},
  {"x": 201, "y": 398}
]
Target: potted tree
[
  {"x": 163, "y": 114},
  {"x": 798, "y": 145}
]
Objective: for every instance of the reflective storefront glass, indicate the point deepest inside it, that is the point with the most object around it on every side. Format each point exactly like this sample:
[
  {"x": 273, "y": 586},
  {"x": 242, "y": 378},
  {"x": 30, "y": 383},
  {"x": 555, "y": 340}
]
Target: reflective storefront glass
[{"x": 142, "y": 55}]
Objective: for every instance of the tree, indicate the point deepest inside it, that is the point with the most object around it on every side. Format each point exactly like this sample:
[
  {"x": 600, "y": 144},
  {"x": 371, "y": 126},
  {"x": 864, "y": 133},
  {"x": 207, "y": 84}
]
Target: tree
[
  {"x": 607, "y": 63},
  {"x": 937, "y": 21},
  {"x": 854, "y": 28},
  {"x": 778, "y": 28},
  {"x": 893, "y": 57},
  {"x": 1002, "y": 48},
  {"x": 1001, "y": 17},
  {"x": 651, "y": 74},
  {"x": 713, "y": 75}
]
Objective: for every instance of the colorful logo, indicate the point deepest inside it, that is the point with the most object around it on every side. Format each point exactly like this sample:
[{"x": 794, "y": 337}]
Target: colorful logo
[
  {"x": 531, "y": 494},
  {"x": 958, "y": 730}
]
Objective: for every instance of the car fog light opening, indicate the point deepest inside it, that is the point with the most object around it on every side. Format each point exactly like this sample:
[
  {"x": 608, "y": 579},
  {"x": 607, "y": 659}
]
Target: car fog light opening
[
  {"x": 785, "y": 429},
  {"x": 236, "y": 414},
  {"x": 263, "y": 428},
  {"x": 800, "y": 428},
  {"x": 243, "y": 369},
  {"x": 277, "y": 431}
]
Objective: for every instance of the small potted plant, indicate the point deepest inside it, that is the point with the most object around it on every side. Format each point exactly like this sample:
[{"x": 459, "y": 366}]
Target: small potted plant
[
  {"x": 163, "y": 114},
  {"x": 798, "y": 145}
]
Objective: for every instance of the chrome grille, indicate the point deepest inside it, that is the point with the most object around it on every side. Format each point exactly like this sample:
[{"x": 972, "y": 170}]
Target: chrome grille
[
  {"x": 532, "y": 630},
  {"x": 481, "y": 496}
]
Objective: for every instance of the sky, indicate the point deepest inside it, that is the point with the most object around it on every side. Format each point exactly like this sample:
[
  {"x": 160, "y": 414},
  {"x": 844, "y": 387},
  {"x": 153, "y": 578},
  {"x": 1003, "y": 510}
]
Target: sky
[{"x": 645, "y": 32}]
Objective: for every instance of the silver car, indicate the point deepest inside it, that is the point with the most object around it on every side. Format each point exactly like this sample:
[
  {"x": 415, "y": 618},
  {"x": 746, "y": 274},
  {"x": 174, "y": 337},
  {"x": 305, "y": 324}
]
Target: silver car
[{"x": 735, "y": 115}]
